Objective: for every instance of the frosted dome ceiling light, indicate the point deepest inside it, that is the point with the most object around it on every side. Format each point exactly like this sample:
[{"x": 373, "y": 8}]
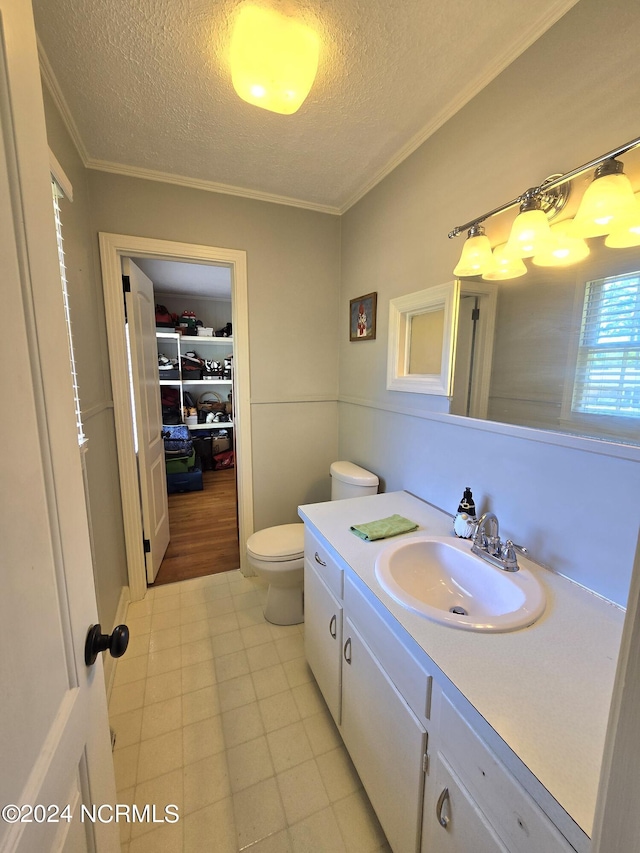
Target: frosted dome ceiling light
[{"x": 274, "y": 59}]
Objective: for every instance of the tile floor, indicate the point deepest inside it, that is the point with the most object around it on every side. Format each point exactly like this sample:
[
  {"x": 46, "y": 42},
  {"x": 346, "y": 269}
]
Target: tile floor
[{"x": 216, "y": 711}]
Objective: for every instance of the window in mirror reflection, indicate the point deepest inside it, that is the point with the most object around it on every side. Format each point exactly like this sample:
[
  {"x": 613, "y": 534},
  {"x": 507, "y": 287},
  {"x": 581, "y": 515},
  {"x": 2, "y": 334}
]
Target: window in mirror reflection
[
  {"x": 607, "y": 379},
  {"x": 426, "y": 337}
]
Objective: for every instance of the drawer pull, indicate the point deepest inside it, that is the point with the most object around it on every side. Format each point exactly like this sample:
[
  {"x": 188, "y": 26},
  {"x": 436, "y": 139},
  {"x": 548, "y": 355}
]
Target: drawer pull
[
  {"x": 318, "y": 560},
  {"x": 333, "y": 626},
  {"x": 443, "y": 820},
  {"x": 347, "y": 645}
]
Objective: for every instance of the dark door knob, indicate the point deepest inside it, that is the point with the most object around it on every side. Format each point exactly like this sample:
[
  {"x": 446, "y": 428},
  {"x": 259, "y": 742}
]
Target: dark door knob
[{"x": 98, "y": 642}]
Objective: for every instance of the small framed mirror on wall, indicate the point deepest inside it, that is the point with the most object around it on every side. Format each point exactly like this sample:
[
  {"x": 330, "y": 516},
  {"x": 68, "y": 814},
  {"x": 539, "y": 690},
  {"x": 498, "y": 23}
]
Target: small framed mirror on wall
[{"x": 422, "y": 340}]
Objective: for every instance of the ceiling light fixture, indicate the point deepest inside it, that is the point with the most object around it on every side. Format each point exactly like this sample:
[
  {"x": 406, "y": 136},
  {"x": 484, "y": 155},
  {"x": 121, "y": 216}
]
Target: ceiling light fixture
[
  {"x": 274, "y": 59},
  {"x": 608, "y": 204}
]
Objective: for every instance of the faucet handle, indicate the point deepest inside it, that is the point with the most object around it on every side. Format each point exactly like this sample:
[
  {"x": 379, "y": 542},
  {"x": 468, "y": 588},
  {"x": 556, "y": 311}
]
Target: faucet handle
[
  {"x": 480, "y": 539},
  {"x": 494, "y": 546},
  {"x": 508, "y": 556}
]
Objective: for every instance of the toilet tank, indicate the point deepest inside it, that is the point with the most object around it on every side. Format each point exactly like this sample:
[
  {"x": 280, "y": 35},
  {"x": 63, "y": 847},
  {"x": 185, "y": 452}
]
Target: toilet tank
[{"x": 351, "y": 481}]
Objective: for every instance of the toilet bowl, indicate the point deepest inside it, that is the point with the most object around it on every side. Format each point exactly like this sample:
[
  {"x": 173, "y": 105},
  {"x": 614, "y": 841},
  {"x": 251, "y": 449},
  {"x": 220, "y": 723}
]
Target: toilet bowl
[
  {"x": 277, "y": 553},
  {"x": 277, "y": 556}
]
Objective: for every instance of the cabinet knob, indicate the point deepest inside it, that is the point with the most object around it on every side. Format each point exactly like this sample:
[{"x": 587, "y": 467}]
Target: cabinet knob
[
  {"x": 318, "y": 560},
  {"x": 443, "y": 819},
  {"x": 347, "y": 654},
  {"x": 333, "y": 626}
]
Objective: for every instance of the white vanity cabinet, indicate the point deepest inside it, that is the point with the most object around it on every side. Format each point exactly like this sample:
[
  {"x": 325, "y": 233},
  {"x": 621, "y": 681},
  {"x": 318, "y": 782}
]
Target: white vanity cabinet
[
  {"x": 323, "y": 584},
  {"x": 434, "y": 783},
  {"x": 473, "y": 789},
  {"x": 386, "y": 741},
  {"x": 455, "y": 824}
]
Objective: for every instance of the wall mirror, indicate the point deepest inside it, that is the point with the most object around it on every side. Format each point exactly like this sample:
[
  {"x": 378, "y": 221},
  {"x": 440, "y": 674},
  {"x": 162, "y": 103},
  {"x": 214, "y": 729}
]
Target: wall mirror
[
  {"x": 421, "y": 340},
  {"x": 546, "y": 368},
  {"x": 559, "y": 349}
]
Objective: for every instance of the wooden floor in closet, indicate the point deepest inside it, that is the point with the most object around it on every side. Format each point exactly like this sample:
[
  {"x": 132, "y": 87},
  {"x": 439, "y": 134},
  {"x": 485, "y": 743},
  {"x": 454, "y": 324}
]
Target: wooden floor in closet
[{"x": 203, "y": 530}]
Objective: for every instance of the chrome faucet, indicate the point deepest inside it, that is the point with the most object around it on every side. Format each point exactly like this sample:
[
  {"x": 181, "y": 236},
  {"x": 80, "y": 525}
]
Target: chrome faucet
[{"x": 489, "y": 547}]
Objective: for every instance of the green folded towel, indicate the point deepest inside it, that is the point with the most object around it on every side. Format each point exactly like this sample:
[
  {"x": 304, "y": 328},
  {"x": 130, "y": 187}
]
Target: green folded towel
[{"x": 385, "y": 527}]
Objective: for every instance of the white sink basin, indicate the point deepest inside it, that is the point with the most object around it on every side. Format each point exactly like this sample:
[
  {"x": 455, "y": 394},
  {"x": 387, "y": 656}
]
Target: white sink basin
[{"x": 441, "y": 579}]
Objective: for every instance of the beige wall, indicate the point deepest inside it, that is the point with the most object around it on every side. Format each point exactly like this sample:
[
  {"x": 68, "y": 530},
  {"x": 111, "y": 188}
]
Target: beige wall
[
  {"x": 293, "y": 283},
  {"x": 572, "y": 96},
  {"x": 293, "y": 268},
  {"x": 89, "y": 337}
]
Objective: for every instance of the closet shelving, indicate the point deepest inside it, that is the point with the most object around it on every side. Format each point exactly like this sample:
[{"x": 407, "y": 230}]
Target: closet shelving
[{"x": 174, "y": 345}]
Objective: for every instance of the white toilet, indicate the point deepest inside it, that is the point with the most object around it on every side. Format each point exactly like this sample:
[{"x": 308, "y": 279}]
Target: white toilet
[{"x": 277, "y": 553}]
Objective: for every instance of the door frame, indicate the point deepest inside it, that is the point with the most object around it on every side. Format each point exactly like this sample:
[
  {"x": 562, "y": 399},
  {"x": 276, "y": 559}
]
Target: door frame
[{"x": 113, "y": 247}]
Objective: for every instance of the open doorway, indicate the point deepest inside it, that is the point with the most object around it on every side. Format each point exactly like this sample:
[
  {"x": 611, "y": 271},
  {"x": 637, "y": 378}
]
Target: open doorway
[
  {"x": 113, "y": 249},
  {"x": 194, "y": 341}
]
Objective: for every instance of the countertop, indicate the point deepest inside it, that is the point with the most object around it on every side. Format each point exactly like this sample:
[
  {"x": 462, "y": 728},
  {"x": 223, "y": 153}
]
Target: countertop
[{"x": 545, "y": 689}]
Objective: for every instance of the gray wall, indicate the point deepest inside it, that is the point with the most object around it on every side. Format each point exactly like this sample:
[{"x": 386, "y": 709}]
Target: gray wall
[
  {"x": 572, "y": 96},
  {"x": 94, "y": 381}
]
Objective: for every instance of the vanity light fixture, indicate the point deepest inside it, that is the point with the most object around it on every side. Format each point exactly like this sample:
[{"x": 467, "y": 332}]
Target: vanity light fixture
[
  {"x": 274, "y": 59},
  {"x": 504, "y": 266},
  {"x": 530, "y": 232},
  {"x": 565, "y": 249},
  {"x": 608, "y": 207},
  {"x": 608, "y": 201},
  {"x": 476, "y": 257},
  {"x": 626, "y": 235}
]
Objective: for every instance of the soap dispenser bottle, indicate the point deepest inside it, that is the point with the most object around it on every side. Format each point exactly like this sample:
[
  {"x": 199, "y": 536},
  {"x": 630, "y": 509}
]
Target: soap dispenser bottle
[{"x": 463, "y": 523}]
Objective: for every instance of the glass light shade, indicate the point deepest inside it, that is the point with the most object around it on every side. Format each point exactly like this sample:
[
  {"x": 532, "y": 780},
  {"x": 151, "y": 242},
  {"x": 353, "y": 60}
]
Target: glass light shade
[
  {"x": 628, "y": 234},
  {"x": 530, "y": 235},
  {"x": 476, "y": 257},
  {"x": 564, "y": 250},
  {"x": 607, "y": 204},
  {"x": 274, "y": 59},
  {"x": 504, "y": 266}
]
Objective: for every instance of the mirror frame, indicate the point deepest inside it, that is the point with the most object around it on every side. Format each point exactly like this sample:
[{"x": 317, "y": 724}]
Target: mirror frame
[{"x": 401, "y": 312}]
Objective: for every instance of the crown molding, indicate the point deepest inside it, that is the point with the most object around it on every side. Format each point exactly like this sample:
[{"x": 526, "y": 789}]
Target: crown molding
[
  {"x": 51, "y": 82},
  {"x": 207, "y": 186},
  {"x": 527, "y": 38}
]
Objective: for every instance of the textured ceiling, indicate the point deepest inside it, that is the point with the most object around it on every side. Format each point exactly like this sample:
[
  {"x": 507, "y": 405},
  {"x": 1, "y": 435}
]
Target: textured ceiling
[{"x": 145, "y": 87}]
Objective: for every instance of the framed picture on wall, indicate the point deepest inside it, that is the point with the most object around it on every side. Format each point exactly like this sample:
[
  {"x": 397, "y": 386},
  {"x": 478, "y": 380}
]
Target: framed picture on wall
[{"x": 362, "y": 318}]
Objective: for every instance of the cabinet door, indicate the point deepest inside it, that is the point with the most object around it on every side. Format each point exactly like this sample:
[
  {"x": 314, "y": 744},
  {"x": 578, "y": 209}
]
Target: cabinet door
[
  {"x": 453, "y": 822},
  {"x": 323, "y": 637},
  {"x": 386, "y": 742}
]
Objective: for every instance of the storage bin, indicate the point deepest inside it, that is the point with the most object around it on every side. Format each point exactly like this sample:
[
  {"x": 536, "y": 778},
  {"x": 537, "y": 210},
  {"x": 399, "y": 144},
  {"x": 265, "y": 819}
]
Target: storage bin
[{"x": 189, "y": 481}]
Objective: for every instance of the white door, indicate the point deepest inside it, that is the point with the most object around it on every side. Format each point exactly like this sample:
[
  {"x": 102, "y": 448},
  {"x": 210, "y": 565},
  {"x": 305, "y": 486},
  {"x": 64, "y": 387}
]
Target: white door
[
  {"x": 54, "y": 733},
  {"x": 141, "y": 322}
]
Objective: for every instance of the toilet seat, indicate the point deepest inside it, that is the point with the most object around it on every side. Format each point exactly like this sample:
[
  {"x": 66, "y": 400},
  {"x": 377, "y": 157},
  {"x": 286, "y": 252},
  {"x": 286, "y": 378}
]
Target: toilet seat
[{"x": 280, "y": 544}]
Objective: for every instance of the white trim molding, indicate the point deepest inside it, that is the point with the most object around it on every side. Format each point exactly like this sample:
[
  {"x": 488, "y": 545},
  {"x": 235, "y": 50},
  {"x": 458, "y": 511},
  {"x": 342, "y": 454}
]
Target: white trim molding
[
  {"x": 207, "y": 186},
  {"x": 113, "y": 247},
  {"x": 402, "y": 312}
]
